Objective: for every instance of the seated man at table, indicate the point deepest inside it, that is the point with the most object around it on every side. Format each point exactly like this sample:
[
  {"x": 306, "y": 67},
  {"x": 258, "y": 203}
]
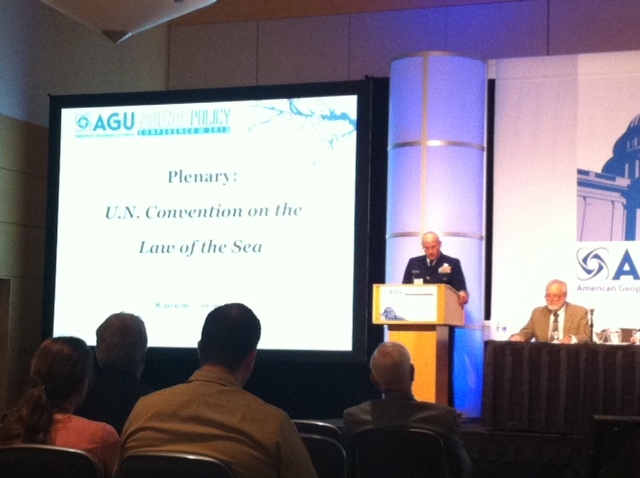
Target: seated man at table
[
  {"x": 558, "y": 321},
  {"x": 392, "y": 372}
]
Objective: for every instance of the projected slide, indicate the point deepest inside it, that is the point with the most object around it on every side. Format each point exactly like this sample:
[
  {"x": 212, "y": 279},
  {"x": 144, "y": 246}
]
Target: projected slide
[{"x": 167, "y": 211}]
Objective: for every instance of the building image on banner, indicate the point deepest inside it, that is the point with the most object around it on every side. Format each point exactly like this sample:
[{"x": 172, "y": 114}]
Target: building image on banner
[
  {"x": 608, "y": 223},
  {"x": 609, "y": 201},
  {"x": 566, "y": 188}
]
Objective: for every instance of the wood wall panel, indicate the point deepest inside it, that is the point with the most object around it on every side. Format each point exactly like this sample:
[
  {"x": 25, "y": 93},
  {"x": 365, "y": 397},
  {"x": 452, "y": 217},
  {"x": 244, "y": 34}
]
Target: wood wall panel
[
  {"x": 287, "y": 45},
  {"x": 593, "y": 26},
  {"x": 23, "y": 198},
  {"x": 223, "y": 55},
  {"x": 24, "y": 334},
  {"x": 498, "y": 31},
  {"x": 23, "y": 185},
  {"x": 23, "y": 146},
  {"x": 5, "y": 292},
  {"x": 224, "y": 11}
]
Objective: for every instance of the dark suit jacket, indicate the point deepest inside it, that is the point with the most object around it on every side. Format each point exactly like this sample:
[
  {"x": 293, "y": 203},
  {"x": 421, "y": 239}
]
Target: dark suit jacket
[
  {"x": 576, "y": 322},
  {"x": 417, "y": 268},
  {"x": 111, "y": 396},
  {"x": 437, "y": 418}
]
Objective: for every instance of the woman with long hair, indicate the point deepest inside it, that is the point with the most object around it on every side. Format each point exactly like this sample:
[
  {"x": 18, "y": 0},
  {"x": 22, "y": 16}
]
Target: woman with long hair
[{"x": 60, "y": 372}]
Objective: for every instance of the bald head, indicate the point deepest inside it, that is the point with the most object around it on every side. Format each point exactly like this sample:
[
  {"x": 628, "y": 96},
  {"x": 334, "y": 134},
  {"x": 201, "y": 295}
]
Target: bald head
[
  {"x": 557, "y": 285},
  {"x": 430, "y": 236},
  {"x": 391, "y": 367},
  {"x": 431, "y": 245}
]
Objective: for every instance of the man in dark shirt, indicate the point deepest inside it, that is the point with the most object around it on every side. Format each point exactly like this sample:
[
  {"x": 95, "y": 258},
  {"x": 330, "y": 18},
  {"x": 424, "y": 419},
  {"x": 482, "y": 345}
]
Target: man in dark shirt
[
  {"x": 436, "y": 268},
  {"x": 392, "y": 372}
]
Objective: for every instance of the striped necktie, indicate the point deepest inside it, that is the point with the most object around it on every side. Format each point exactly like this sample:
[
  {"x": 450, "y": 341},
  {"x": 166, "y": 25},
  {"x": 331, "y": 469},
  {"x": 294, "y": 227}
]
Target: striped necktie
[{"x": 554, "y": 327}]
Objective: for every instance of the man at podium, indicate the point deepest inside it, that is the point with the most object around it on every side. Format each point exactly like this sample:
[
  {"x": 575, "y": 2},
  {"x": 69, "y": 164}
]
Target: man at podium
[{"x": 436, "y": 268}]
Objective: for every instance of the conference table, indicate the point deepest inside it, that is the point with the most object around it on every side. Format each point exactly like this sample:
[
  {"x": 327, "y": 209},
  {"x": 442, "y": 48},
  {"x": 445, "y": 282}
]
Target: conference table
[{"x": 555, "y": 388}]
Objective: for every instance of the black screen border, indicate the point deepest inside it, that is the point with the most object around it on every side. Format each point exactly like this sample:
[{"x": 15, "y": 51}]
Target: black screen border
[{"x": 370, "y": 196}]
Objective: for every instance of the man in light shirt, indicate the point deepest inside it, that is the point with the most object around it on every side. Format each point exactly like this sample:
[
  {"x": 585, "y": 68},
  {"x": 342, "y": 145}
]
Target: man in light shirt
[{"x": 211, "y": 414}]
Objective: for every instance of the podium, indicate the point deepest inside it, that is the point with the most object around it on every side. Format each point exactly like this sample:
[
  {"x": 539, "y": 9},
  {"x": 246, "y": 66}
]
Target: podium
[{"x": 421, "y": 317}]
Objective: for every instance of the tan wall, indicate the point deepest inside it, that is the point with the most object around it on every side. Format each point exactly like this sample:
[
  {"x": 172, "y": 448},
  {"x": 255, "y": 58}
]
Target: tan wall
[
  {"x": 23, "y": 185},
  {"x": 224, "y": 11},
  {"x": 247, "y": 42}
]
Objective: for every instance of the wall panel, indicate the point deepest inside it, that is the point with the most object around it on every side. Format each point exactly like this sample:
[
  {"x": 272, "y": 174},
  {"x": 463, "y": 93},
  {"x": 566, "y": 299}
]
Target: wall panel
[
  {"x": 243, "y": 10},
  {"x": 580, "y": 26},
  {"x": 23, "y": 171},
  {"x": 213, "y": 56},
  {"x": 303, "y": 50},
  {"x": 498, "y": 30},
  {"x": 377, "y": 38}
]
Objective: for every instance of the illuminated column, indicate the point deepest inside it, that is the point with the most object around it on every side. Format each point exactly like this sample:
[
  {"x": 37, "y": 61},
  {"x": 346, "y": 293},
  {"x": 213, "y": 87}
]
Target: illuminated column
[{"x": 436, "y": 181}]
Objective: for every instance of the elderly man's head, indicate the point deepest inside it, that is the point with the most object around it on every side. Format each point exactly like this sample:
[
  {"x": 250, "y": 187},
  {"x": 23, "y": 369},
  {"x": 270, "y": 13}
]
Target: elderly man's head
[
  {"x": 555, "y": 294},
  {"x": 391, "y": 367},
  {"x": 121, "y": 343}
]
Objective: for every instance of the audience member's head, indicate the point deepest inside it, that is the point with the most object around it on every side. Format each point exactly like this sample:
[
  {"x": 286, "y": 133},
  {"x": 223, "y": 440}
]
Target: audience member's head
[
  {"x": 391, "y": 368},
  {"x": 230, "y": 335},
  {"x": 121, "y": 343},
  {"x": 60, "y": 372}
]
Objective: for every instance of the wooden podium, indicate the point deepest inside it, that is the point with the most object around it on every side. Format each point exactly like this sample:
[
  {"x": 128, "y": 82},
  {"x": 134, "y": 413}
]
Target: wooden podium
[{"x": 420, "y": 317}]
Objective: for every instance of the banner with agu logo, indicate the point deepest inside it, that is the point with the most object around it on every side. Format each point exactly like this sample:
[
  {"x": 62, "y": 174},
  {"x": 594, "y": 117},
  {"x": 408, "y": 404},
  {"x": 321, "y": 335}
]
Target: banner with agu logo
[
  {"x": 567, "y": 186},
  {"x": 608, "y": 281},
  {"x": 147, "y": 121}
]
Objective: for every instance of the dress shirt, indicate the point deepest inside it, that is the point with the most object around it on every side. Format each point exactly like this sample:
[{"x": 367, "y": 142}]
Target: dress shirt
[
  {"x": 211, "y": 415},
  {"x": 561, "y": 313}
]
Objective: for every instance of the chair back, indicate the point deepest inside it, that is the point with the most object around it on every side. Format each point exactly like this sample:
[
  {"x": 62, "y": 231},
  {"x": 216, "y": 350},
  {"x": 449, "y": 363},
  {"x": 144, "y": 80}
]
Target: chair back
[
  {"x": 392, "y": 452},
  {"x": 613, "y": 445},
  {"x": 173, "y": 465},
  {"x": 314, "y": 427},
  {"x": 327, "y": 455},
  {"x": 46, "y": 461}
]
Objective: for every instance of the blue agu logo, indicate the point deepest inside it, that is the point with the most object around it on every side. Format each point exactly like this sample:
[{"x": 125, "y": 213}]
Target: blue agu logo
[
  {"x": 83, "y": 123},
  {"x": 593, "y": 264},
  {"x": 118, "y": 122}
]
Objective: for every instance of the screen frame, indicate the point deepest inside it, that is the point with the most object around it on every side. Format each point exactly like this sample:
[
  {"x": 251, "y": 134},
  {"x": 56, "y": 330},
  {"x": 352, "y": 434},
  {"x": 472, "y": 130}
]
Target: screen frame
[{"x": 369, "y": 216}]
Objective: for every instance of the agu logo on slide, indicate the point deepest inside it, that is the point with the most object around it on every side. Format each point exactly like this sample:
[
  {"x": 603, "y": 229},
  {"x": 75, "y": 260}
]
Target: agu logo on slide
[{"x": 118, "y": 123}]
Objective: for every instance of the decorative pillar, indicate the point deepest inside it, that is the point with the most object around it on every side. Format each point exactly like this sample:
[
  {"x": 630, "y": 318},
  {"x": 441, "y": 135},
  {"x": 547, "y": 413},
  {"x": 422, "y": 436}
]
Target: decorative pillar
[{"x": 436, "y": 182}]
